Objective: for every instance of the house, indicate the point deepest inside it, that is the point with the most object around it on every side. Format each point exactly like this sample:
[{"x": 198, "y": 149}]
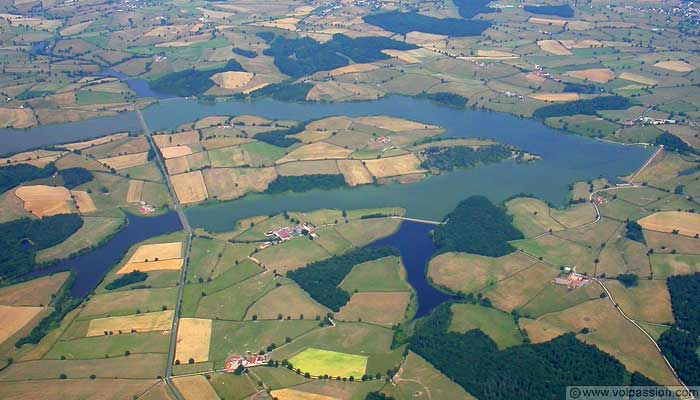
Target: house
[{"x": 235, "y": 361}]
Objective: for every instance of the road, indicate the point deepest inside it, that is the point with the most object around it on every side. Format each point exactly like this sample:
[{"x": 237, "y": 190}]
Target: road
[{"x": 183, "y": 274}]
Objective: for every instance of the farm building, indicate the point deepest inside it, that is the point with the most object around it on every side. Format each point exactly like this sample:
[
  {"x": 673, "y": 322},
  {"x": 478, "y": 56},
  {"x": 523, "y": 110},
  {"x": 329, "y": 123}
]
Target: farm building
[{"x": 235, "y": 361}]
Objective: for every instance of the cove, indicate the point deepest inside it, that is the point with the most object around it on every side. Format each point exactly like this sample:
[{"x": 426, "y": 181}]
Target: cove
[
  {"x": 90, "y": 268},
  {"x": 417, "y": 248}
]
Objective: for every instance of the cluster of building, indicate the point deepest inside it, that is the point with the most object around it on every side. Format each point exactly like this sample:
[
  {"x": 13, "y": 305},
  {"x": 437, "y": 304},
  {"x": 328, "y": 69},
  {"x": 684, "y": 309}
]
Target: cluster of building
[
  {"x": 236, "y": 361},
  {"x": 286, "y": 233},
  {"x": 145, "y": 208},
  {"x": 573, "y": 279}
]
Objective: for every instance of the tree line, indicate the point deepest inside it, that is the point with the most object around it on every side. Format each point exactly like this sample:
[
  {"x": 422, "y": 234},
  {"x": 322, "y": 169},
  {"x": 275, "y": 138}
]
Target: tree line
[
  {"x": 448, "y": 158},
  {"x": 304, "y": 183}
]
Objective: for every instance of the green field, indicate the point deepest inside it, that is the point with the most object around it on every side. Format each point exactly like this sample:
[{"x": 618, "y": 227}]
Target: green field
[
  {"x": 496, "y": 324},
  {"x": 383, "y": 275},
  {"x": 319, "y": 362}
]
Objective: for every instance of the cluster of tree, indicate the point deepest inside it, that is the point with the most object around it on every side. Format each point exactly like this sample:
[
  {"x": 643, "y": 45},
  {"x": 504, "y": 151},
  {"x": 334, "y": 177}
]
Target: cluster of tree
[
  {"x": 564, "y": 10},
  {"x": 74, "y": 177},
  {"x": 674, "y": 143},
  {"x": 305, "y": 56},
  {"x": 583, "y": 88},
  {"x": 633, "y": 231},
  {"x": 13, "y": 175},
  {"x": 446, "y": 98},
  {"x": 585, "y": 107},
  {"x": 541, "y": 371},
  {"x": 377, "y": 396},
  {"x": 477, "y": 226},
  {"x": 127, "y": 279},
  {"x": 244, "y": 53},
  {"x": 285, "y": 91},
  {"x": 191, "y": 82},
  {"x": 304, "y": 183},
  {"x": 279, "y": 137},
  {"x": 321, "y": 279},
  {"x": 449, "y": 158},
  {"x": 405, "y": 22},
  {"x": 17, "y": 259},
  {"x": 628, "y": 280},
  {"x": 680, "y": 343},
  {"x": 470, "y": 8}
]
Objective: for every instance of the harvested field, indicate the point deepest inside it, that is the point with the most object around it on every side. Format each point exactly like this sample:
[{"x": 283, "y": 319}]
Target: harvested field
[
  {"x": 231, "y": 183},
  {"x": 628, "y": 76},
  {"x": 36, "y": 292},
  {"x": 649, "y": 301},
  {"x": 75, "y": 389},
  {"x": 316, "y": 151},
  {"x": 189, "y": 187},
  {"x": 232, "y": 79},
  {"x": 15, "y": 318},
  {"x": 599, "y": 75},
  {"x": 548, "y": 21},
  {"x": 175, "y": 151},
  {"x": 161, "y": 265},
  {"x": 83, "y": 201},
  {"x": 135, "y": 190},
  {"x": 554, "y": 47},
  {"x": 177, "y": 166},
  {"x": 127, "y": 161},
  {"x": 193, "y": 339},
  {"x": 95, "y": 142},
  {"x": 158, "y": 251},
  {"x": 540, "y": 331},
  {"x": 675, "y": 66},
  {"x": 552, "y": 97},
  {"x": 44, "y": 201},
  {"x": 195, "y": 387},
  {"x": 383, "y": 308},
  {"x": 297, "y": 168},
  {"x": 291, "y": 394},
  {"x": 17, "y": 118},
  {"x": 424, "y": 382},
  {"x": 394, "y": 166},
  {"x": 394, "y": 124},
  {"x": 176, "y": 139},
  {"x": 287, "y": 300},
  {"x": 355, "y": 172},
  {"x": 353, "y": 68},
  {"x": 402, "y": 55},
  {"x": 687, "y": 224},
  {"x": 38, "y": 158},
  {"x": 319, "y": 362},
  {"x": 148, "y": 322}
]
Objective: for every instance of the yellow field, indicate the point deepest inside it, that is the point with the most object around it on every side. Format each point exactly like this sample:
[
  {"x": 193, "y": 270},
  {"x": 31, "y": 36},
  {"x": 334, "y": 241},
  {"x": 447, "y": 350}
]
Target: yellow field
[
  {"x": 83, "y": 201},
  {"x": 600, "y": 75},
  {"x": 555, "y": 96},
  {"x": 291, "y": 394},
  {"x": 17, "y": 118},
  {"x": 354, "y": 172},
  {"x": 554, "y": 47},
  {"x": 581, "y": 44},
  {"x": 36, "y": 292},
  {"x": 548, "y": 21},
  {"x": 158, "y": 251},
  {"x": 177, "y": 165},
  {"x": 176, "y": 139},
  {"x": 127, "y": 161},
  {"x": 134, "y": 193},
  {"x": 193, "y": 339},
  {"x": 38, "y": 158},
  {"x": 353, "y": 68},
  {"x": 297, "y": 168},
  {"x": 402, "y": 55},
  {"x": 44, "y": 201},
  {"x": 394, "y": 166},
  {"x": 628, "y": 76},
  {"x": 675, "y": 66},
  {"x": 667, "y": 221},
  {"x": 289, "y": 24},
  {"x": 316, "y": 151},
  {"x": 232, "y": 79},
  {"x": 175, "y": 151},
  {"x": 195, "y": 387},
  {"x": 95, "y": 142},
  {"x": 540, "y": 331},
  {"x": 318, "y": 362},
  {"x": 174, "y": 264},
  {"x": 189, "y": 187},
  {"x": 383, "y": 308},
  {"x": 15, "y": 318},
  {"x": 394, "y": 124},
  {"x": 148, "y": 322}
]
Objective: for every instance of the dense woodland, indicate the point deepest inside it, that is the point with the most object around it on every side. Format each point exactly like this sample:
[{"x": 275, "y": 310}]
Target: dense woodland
[
  {"x": 74, "y": 177},
  {"x": 16, "y": 257},
  {"x": 285, "y": 91},
  {"x": 446, "y": 98},
  {"x": 321, "y": 279},
  {"x": 564, "y": 10},
  {"x": 13, "y": 175},
  {"x": 471, "y": 8},
  {"x": 449, "y": 158},
  {"x": 244, "y": 53},
  {"x": 585, "y": 107},
  {"x": 304, "y": 183},
  {"x": 673, "y": 143},
  {"x": 191, "y": 82},
  {"x": 279, "y": 137},
  {"x": 127, "y": 279},
  {"x": 634, "y": 231},
  {"x": 405, "y": 22},
  {"x": 477, "y": 226}
]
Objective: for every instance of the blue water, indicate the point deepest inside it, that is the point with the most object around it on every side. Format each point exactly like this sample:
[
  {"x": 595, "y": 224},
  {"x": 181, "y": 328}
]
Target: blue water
[
  {"x": 139, "y": 86},
  {"x": 90, "y": 268},
  {"x": 417, "y": 248}
]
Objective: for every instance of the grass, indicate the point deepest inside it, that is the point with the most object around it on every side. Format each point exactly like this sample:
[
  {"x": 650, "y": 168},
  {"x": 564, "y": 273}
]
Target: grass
[
  {"x": 127, "y": 302},
  {"x": 498, "y": 325},
  {"x": 94, "y": 231},
  {"x": 384, "y": 274},
  {"x": 418, "y": 378},
  {"x": 86, "y": 97},
  {"x": 382, "y": 308},
  {"x": 132, "y": 367},
  {"x": 320, "y": 362},
  {"x": 288, "y": 301},
  {"x": 110, "y": 346},
  {"x": 277, "y": 378},
  {"x": 559, "y": 252},
  {"x": 665, "y": 265},
  {"x": 223, "y": 305},
  {"x": 204, "y": 255},
  {"x": 331, "y": 240},
  {"x": 555, "y": 298},
  {"x": 290, "y": 255},
  {"x": 514, "y": 291},
  {"x": 233, "y": 387},
  {"x": 649, "y": 301},
  {"x": 363, "y": 232}
]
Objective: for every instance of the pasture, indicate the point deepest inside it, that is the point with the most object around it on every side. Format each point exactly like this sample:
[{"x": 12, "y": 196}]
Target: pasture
[
  {"x": 498, "y": 325},
  {"x": 382, "y": 308}
]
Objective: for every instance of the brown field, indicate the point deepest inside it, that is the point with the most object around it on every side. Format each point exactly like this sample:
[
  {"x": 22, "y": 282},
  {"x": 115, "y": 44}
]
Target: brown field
[
  {"x": 148, "y": 322},
  {"x": 628, "y": 76},
  {"x": 231, "y": 183},
  {"x": 177, "y": 165},
  {"x": 175, "y": 151},
  {"x": 95, "y": 142},
  {"x": 193, "y": 338},
  {"x": 355, "y": 172},
  {"x": 581, "y": 44},
  {"x": 316, "y": 151},
  {"x": 540, "y": 331},
  {"x": 189, "y": 187},
  {"x": 232, "y": 79},
  {"x": 160, "y": 251},
  {"x": 15, "y": 318},
  {"x": 127, "y": 161},
  {"x": 384, "y": 308},
  {"x": 353, "y": 68},
  {"x": 675, "y": 66},
  {"x": 83, "y": 201},
  {"x": 297, "y": 168},
  {"x": 36, "y": 292},
  {"x": 416, "y": 37},
  {"x": 98, "y": 389},
  {"x": 135, "y": 190},
  {"x": 649, "y": 301},
  {"x": 195, "y": 387},
  {"x": 554, "y": 47},
  {"x": 394, "y": 124},
  {"x": 402, "y": 55},
  {"x": 76, "y": 28},
  {"x": 288, "y": 300},
  {"x": 555, "y": 96},
  {"x": 176, "y": 139},
  {"x": 38, "y": 158},
  {"x": 548, "y": 21},
  {"x": 174, "y": 264},
  {"x": 291, "y": 394},
  {"x": 600, "y": 75},
  {"x": 393, "y": 166},
  {"x": 515, "y": 291},
  {"x": 289, "y": 24},
  {"x": 687, "y": 224},
  {"x": 44, "y": 201},
  {"x": 17, "y": 118}
]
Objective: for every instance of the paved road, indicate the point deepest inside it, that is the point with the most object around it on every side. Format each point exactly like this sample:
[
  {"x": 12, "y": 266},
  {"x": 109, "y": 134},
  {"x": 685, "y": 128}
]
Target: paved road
[{"x": 183, "y": 274}]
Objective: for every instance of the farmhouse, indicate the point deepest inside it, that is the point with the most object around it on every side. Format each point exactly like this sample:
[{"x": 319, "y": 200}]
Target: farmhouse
[
  {"x": 236, "y": 361},
  {"x": 573, "y": 280}
]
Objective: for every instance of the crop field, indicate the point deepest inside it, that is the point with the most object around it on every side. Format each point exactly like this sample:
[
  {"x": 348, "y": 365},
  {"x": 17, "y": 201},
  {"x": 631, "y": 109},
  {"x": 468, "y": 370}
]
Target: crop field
[
  {"x": 383, "y": 308},
  {"x": 83, "y": 202},
  {"x": 320, "y": 362},
  {"x": 36, "y": 292},
  {"x": 316, "y": 151},
  {"x": 598, "y": 75},
  {"x": 124, "y": 162},
  {"x": 288, "y": 300},
  {"x": 195, "y": 387},
  {"x": 44, "y": 201},
  {"x": 15, "y": 318},
  {"x": 193, "y": 339},
  {"x": 149, "y": 322},
  {"x": 394, "y": 166},
  {"x": 675, "y": 66},
  {"x": 175, "y": 151},
  {"x": 355, "y": 172},
  {"x": 73, "y": 389},
  {"x": 157, "y": 251},
  {"x": 684, "y": 223},
  {"x": 291, "y": 394},
  {"x": 189, "y": 187}
]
